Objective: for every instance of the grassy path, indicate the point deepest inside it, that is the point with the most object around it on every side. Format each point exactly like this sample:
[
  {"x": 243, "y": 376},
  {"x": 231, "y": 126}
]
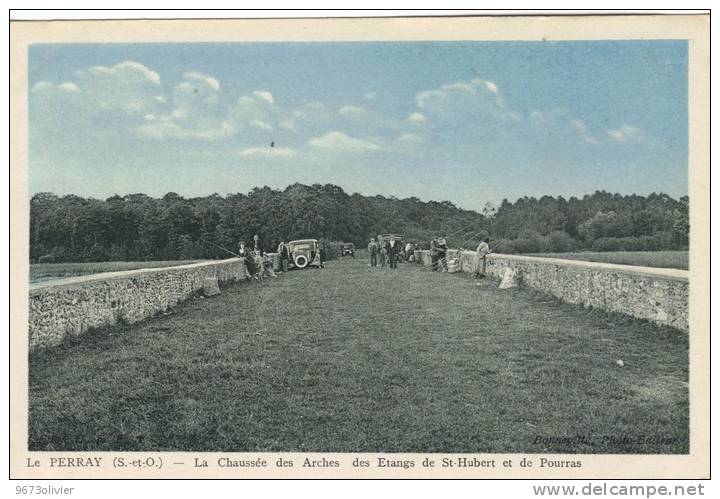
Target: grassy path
[{"x": 351, "y": 358}]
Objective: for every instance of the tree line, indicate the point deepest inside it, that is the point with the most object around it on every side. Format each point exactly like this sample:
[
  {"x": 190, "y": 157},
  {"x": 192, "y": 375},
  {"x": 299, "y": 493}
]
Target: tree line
[{"x": 137, "y": 227}]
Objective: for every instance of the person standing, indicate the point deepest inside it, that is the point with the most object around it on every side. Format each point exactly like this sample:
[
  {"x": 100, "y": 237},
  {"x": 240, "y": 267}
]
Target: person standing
[
  {"x": 409, "y": 248},
  {"x": 434, "y": 253},
  {"x": 383, "y": 252},
  {"x": 259, "y": 263},
  {"x": 442, "y": 254},
  {"x": 284, "y": 256},
  {"x": 321, "y": 252},
  {"x": 248, "y": 260},
  {"x": 373, "y": 250},
  {"x": 483, "y": 250},
  {"x": 393, "y": 253}
]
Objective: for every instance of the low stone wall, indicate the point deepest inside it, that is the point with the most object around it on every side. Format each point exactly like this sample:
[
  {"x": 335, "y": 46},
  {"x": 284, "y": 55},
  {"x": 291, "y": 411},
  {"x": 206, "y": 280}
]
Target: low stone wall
[
  {"x": 655, "y": 294},
  {"x": 72, "y": 306}
]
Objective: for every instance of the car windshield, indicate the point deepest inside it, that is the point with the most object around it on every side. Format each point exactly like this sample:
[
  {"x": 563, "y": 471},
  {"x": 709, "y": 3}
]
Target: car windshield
[{"x": 302, "y": 246}]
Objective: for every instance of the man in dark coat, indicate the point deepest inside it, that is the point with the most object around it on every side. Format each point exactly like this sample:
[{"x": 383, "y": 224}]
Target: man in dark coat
[
  {"x": 392, "y": 251},
  {"x": 373, "y": 251},
  {"x": 321, "y": 252},
  {"x": 284, "y": 255}
]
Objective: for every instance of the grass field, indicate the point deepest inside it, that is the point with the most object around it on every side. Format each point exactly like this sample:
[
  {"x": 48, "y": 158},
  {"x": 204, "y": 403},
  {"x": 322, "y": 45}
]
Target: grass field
[
  {"x": 665, "y": 259},
  {"x": 45, "y": 271},
  {"x": 351, "y": 358}
]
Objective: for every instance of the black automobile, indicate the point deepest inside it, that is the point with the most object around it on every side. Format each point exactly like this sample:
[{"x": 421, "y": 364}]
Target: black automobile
[{"x": 348, "y": 249}]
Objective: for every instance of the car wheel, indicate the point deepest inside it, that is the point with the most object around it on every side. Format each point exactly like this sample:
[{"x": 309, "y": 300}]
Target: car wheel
[{"x": 301, "y": 261}]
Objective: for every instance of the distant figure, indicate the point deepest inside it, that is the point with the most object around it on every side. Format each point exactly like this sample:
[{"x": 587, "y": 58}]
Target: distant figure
[
  {"x": 409, "y": 250},
  {"x": 434, "y": 254},
  {"x": 373, "y": 250},
  {"x": 442, "y": 254},
  {"x": 483, "y": 250},
  {"x": 321, "y": 251},
  {"x": 383, "y": 252},
  {"x": 392, "y": 252},
  {"x": 259, "y": 263},
  {"x": 284, "y": 255},
  {"x": 248, "y": 259}
]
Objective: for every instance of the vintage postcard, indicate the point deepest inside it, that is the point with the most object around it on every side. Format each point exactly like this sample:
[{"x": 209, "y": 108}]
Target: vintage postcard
[{"x": 434, "y": 247}]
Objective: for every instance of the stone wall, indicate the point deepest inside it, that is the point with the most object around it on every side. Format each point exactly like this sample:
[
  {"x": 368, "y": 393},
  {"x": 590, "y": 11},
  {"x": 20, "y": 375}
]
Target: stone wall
[
  {"x": 655, "y": 294},
  {"x": 72, "y": 306}
]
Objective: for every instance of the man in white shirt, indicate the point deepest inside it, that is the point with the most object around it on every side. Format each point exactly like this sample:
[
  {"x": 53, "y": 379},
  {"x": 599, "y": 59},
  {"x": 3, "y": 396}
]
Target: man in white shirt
[{"x": 483, "y": 250}]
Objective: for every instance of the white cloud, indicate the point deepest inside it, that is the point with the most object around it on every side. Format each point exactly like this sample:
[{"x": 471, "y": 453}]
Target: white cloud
[
  {"x": 339, "y": 141},
  {"x": 458, "y": 87},
  {"x": 59, "y": 110},
  {"x": 351, "y": 111},
  {"x": 627, "y": 133},
  {"x": 41, "y": 86},
  {"x": 268, "y": 152},
  {"x": 195, "y": 96},
  {"x": 261, "y": 125},
  {"x": 46, "y": 87},
  {"x": 581, "y": 128},
  {"x": 462, "y": 96},
  {"x": 163, "y": 128},
  {"x": 312, "y": 114},
  {"x": 370, "y": 95},
  {"x": 129, "y": 87},
  {"x": 579, "y": 125},
  {"x": 491, "y": 86},
  {"x": 417, "y": 117},
  {"x": 264, "y": 95},
  {"x": 408, "y": 139},
  {"x": 406, "y": 143},
  {"x": 209, "y": 80},
  {"x": 422, "y": 98},
  {"x": 126, "y": 69},
  {"x": 69, "y": 86},
  {"x": 256, "y": 112},
  {"x": 196, "y": 113},
  {"x": 287, "y": 124},
  {"x": 560, "y": 123}
]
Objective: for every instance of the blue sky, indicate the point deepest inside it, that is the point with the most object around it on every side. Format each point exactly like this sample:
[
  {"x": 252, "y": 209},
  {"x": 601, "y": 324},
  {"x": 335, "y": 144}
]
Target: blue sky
[{"x": 469, "y": 122}]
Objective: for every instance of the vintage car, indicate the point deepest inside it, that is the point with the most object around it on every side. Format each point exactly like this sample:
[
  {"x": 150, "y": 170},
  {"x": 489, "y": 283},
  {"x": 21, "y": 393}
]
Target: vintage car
[
  {"x": 348, "y": 249},
  {"x": 304, "y": 253},
  {"x": 391, "y": 237}
]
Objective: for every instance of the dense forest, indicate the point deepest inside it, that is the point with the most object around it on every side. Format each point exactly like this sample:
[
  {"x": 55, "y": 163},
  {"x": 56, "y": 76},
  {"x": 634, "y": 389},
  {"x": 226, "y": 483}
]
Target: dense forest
[{"x": 137, "y": 227}]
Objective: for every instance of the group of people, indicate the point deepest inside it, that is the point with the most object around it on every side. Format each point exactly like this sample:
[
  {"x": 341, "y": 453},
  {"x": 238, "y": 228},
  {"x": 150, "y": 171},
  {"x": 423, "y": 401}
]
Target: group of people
[
  {"x": 383, "y": 252},
  {"x": 389, "y": 252},
  {"x": 439, "y": 256},
  {"x": 256, "y": 266}
]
